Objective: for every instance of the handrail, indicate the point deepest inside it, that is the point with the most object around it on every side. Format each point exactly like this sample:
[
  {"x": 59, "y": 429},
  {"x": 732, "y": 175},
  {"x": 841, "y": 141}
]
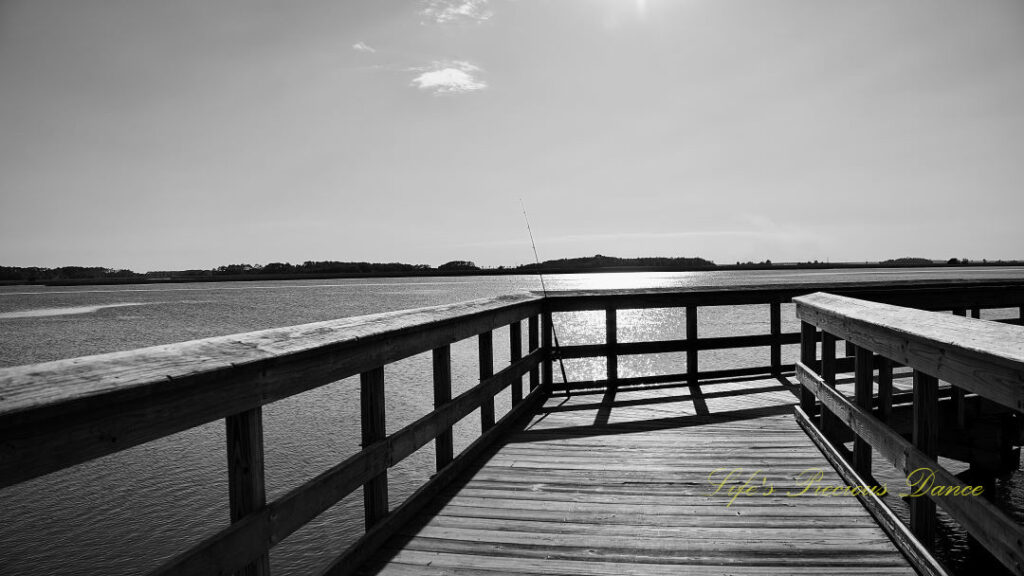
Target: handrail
[{"x": 984, "y": 357}]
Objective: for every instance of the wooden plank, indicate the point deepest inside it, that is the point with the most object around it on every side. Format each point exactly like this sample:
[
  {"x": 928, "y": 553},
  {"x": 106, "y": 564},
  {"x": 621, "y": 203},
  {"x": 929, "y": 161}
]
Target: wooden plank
[
  {"x": 371, "y": 411},
  {"x": 611, "y": 340},
  {"x": 486, "y": 356},
  {"x": 775, "y": 326},
  {"x": 919, "y": 556},
  {"x": 830, "y": 426},
  {"x": 982, "y": 357},
  {"x": 443, "y": 444},
  {"x": 546, "y": 375},
  {"x": 110, "y": 402},
  {"x": 993, "y": 529},
  {"x": 863, "y": 393},
  {"x": 246, "y": 481},
  {"x": 926, "y": 432},
  {"x": 663, "y": 346},
  {"x": 884, "y": 389},
  {"x": 515, "y": 352}
]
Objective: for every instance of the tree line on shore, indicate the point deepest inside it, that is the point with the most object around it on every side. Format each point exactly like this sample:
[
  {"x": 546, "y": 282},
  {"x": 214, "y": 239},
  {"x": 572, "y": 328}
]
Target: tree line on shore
[{"x": 310, "y": 268}]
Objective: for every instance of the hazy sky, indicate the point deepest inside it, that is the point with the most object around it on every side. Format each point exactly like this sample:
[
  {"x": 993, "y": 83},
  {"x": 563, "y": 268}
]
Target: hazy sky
[{"x": 159, "y": 134}]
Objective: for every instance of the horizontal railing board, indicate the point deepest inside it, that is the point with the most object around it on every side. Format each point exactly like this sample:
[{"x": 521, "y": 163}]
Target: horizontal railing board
[
  {"x": 928, "y": 294},
  {"x": 993, "y": 529},
  {"x": 665, "y": 346},
  {"x": 57, "y": 414},
  {"x": 980, "y": 356},
  {"x": 240, "y": 543}
]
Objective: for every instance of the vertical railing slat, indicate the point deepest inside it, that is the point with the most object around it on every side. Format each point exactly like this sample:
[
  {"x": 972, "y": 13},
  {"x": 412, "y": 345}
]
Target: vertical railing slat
[
  {"x": 830, "y": 424},
  {"x": 926, "y": 431},
  {"x": 775, "y": 321},
  {"x": 443, "y": 444},
  {"x": 547, "y": 376},
  {"x": 884, "y": 389},
  {"x": 691, "y": 345},
  {"x": 486, "y": 347},
  {"x": 371, "y": 404},
  {"x": 863, "y": 389},
  {"x": 532, "y": 342},
  {"x": 246, "y": 480},
  {"x": 957, "y": 393},
  {"x": 808, "y": 356},
  {"x": 611, "y": 338},
  {"x": 515, "y": 352}
]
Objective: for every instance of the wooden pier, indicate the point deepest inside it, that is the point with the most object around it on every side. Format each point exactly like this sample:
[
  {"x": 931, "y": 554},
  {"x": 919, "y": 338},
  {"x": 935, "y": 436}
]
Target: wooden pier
[{"x": 624, "y": 475}]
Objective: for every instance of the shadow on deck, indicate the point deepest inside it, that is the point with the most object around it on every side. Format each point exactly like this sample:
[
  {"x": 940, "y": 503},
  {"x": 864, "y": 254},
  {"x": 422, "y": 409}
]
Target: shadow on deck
[{"x": 623, "y": 481}]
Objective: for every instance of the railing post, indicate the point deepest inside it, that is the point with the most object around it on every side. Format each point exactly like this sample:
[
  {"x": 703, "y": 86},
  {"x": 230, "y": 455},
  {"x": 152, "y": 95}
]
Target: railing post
[
  {"x": 691, "y": 345},
  {"x": 515, "y": 352},
  {"x": 957, "y": 393},
  {"x": 863, "y": 389},
  {"x": 926, "y": 431},
  {"x": 547, "y": 378},
  {"x": 611, "y": 339},
  {"x": 246, "y": 481},
  {"x": 486, "y": 341},
  {"x": 775, "y": 309},
  {"x": 532, "y": 342},
  {"x": 443, "y": 445},
  {"x": 371, "y": 404},
  {"x": 808, "y": 356},
  {"x": 830, "y": 425}
]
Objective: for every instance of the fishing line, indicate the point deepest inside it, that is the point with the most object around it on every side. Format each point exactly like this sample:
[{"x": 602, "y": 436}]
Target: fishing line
[{"x": 544, "y": 290}]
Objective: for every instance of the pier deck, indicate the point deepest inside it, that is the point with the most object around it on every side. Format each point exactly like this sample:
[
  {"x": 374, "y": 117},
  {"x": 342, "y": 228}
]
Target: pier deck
[{"x": 617, "y": 482}]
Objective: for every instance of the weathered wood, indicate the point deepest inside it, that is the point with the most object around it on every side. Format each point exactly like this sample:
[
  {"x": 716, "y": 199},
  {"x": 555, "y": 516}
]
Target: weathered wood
[
  {"x": 359, "y": 552},
  {"x": 443, "y": 444},
  {"x": 533, "y": 342},
  {"x": 371, "y": 411},
  {"x": 691, "y": 352},
  {"x": 919, "y": 556},
  {"x": 246, "y": 481},
  {"x": 611, "y": 340},
  {"x": 663, "y": 346},
  {"x": 486, "y": 355},
  {"x": 236, "y": 546},
  {"x": 808, "y": 355},
  {"x": 993, "y": 529},
  {"x": 111, "y": 402},
  {"x": 830, "y": 426},
  {"x": 863, "y": 392},
  {"x": 926, "y": 431},
  {"x": 775, "y": 328},
  {"x": 515, "y": 352},
  {"x": 982, "y": 357}
]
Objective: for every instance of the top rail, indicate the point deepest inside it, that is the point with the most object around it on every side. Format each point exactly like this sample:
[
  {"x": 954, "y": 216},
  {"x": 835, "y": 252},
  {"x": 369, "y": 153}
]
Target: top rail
[
  {"x": 57, "y": 414},
  {"x": 986, "y": 358}
]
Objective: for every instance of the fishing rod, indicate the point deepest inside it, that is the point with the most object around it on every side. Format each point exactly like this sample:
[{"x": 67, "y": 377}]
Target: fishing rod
[{"x": 544, "y": 290}]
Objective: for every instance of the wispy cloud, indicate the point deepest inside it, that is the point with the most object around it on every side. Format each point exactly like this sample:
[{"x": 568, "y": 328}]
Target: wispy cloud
[
  {"x": 363, "y": 47},
  {"x": 449, "y": 77},
  {"x": 445, "y": 11}
]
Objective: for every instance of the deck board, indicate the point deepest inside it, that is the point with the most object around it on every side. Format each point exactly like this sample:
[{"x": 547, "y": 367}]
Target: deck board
[{"x": 614, "y": 483}]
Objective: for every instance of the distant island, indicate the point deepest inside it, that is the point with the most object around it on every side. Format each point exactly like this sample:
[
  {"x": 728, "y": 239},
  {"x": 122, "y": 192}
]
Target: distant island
[{"x": 72, "y": 275}]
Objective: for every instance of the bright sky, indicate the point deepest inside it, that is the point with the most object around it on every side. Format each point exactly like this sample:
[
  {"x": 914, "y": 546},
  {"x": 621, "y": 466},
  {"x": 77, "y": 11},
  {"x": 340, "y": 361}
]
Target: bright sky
[{"x": 158, "y": 134}]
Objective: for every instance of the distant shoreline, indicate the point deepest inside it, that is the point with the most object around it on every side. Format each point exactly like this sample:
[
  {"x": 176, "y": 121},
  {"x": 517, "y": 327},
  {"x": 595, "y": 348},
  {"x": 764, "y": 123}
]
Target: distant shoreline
[{"x": 492, "y": 272}]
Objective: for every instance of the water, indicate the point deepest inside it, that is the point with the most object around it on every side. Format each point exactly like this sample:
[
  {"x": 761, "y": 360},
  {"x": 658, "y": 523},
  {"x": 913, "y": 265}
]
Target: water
[{"x": 125, "y": 513}]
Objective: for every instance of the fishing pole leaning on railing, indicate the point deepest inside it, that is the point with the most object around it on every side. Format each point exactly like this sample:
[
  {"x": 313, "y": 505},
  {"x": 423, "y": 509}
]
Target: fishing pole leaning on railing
[{"x": 544, "y": 290}]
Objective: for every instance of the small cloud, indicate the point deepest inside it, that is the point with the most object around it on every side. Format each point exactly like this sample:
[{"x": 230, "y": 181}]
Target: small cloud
[
  {"x": 445, "y": 11},
  {"x": 363, "y": 47},
  {"x": 449, "y": 77}
]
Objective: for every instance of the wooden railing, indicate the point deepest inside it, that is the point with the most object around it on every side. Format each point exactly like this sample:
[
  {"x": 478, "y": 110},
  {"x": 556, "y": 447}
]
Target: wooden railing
[
  {"x": 58, "y": 414},
  {"x": 62, "y": 413},
  {"x": 976, "y": 357}
]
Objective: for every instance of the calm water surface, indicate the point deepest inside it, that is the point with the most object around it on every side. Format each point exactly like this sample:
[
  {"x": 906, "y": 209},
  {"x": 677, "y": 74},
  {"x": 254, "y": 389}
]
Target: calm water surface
[{"x": 125, "y": 513}]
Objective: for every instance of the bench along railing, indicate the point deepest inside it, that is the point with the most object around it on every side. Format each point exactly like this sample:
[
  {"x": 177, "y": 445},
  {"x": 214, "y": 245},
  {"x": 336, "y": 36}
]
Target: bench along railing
[
  {"x": 974, "y": 356},
  {"x": 958, "y": 296},
  {"x": 58, "y": 414}
]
